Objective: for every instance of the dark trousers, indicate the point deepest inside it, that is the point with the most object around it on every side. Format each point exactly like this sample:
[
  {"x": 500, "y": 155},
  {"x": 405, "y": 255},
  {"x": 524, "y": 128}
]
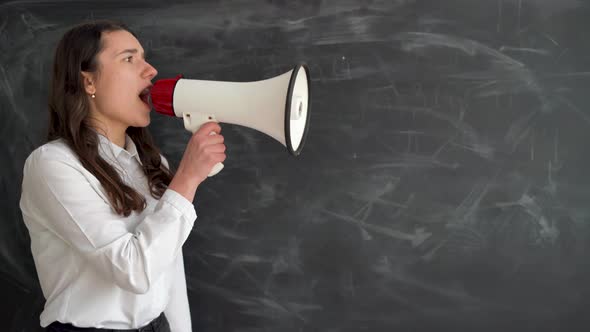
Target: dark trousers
[{"x": 159, "y": 324}]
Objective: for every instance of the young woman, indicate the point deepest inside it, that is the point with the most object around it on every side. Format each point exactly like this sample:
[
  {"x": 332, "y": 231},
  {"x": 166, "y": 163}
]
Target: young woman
[{"x": 106, "y": 216}]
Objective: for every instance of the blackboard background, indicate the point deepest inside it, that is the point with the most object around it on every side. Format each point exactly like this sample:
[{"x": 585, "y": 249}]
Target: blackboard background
[{"x": 443, "y": 187}]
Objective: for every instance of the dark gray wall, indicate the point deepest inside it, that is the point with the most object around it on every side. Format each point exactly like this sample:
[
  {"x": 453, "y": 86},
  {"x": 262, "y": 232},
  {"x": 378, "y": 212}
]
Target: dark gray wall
[{"x": 444, "y": 184}]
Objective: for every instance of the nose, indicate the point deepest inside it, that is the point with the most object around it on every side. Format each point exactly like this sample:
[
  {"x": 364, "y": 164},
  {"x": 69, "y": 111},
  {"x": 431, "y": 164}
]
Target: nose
[{"x": 150, "y": 72}]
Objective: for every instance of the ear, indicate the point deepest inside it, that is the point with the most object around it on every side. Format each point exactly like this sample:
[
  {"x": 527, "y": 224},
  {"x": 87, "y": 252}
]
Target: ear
[{"x": 88, "y": 81}]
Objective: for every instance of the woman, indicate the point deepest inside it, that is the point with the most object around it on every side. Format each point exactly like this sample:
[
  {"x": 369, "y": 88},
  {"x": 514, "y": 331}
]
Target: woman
[{"x": 106, "y": 216}]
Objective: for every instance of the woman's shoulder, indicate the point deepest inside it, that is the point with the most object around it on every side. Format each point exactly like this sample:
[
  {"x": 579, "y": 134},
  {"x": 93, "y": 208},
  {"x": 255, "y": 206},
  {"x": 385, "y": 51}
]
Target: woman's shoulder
[{"x": 56, "y": 150}]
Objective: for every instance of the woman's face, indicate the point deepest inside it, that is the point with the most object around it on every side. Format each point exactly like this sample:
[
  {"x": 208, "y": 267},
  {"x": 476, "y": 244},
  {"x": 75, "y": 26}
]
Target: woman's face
[{"x": 122, "y": 75}]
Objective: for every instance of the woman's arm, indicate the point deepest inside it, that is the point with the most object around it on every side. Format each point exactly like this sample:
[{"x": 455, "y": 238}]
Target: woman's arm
[{"x": 61, "y": 195}]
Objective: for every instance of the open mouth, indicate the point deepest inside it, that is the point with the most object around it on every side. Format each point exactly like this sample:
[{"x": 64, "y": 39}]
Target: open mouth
[{"x": 145, "y": 96}]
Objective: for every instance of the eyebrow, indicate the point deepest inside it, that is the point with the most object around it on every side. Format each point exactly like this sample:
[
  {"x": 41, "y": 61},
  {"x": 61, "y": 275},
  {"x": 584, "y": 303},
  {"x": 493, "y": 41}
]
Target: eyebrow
[{"x": 130, "y": 50}]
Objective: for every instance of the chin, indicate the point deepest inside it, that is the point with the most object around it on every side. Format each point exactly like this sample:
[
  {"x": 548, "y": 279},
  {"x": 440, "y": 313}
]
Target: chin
[
  {"x": 142, "y": 122},
  {"x": 145, "y": 123}
]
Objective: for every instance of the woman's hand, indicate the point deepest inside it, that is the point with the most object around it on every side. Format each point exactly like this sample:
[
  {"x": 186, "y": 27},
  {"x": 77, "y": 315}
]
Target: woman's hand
[{"x": 204, "y": 149}]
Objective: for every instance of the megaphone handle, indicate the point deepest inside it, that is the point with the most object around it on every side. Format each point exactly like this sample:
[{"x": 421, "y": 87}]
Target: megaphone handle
[
  {"x": 192, "y": 123},
  {"x": 216, "y": 169}
]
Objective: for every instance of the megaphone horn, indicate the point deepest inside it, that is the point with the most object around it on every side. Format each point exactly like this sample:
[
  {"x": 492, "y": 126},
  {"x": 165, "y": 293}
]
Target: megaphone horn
[{"x": 278, "y": 107}]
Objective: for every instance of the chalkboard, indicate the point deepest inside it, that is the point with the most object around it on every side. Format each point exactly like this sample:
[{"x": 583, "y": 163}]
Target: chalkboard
[{"x": 443, "y": 185}]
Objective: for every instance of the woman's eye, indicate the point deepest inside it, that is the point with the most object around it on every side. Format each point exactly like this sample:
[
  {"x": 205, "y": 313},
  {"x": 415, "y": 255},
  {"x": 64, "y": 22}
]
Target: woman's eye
[{"x": 128, "y": 59}]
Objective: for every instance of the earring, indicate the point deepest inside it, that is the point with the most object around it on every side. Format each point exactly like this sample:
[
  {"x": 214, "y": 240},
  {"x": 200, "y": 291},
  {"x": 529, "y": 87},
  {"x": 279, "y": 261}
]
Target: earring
[{"x": 93, "y": 96}]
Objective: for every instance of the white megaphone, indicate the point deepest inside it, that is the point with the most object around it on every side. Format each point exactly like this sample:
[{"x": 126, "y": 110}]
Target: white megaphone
[{"x": 278, "y": 107}]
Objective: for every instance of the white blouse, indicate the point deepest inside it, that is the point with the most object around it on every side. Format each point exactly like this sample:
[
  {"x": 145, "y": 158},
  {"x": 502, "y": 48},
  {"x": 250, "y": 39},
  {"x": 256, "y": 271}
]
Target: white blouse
[{"x": 97, "y": 268}]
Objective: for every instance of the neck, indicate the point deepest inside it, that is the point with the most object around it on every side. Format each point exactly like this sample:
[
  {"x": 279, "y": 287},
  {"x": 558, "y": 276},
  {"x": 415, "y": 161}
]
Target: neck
[
  {"x": 114, "y": 131},
  {"x": 117, "y": 136}
]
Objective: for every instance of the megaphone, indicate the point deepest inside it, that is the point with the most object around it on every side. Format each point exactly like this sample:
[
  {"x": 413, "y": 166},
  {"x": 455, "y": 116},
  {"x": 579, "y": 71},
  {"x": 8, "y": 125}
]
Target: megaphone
[{"x": 278, "y": 107}]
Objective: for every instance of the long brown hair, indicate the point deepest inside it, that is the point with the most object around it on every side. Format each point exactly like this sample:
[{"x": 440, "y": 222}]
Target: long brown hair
[{"x": 69, "y": 111}]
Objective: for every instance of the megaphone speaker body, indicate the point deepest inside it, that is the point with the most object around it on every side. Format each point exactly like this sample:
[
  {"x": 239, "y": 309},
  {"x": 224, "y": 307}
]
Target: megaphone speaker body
[{"x": 278, "y": 107}]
